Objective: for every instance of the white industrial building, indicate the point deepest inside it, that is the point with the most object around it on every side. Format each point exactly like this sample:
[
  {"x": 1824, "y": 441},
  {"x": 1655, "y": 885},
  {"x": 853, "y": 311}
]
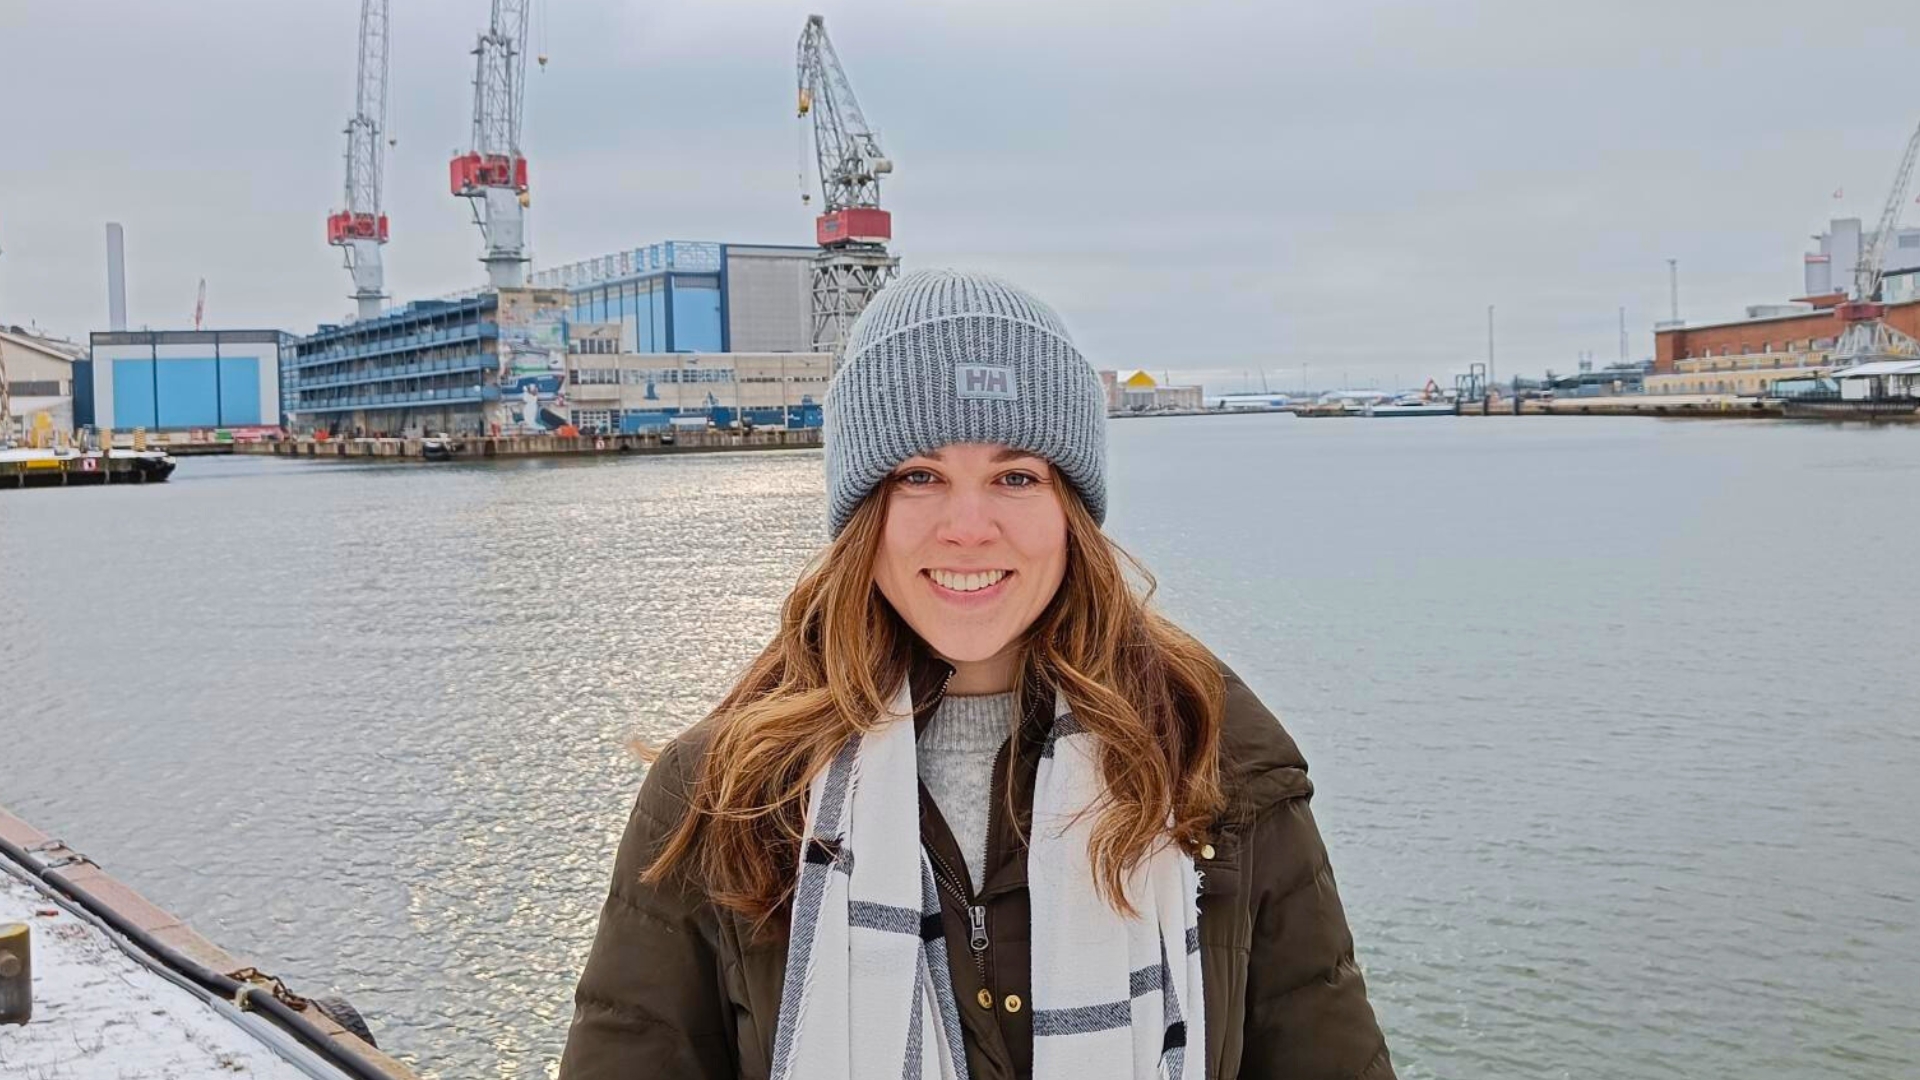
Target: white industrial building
[
  {"x": 1830, "y": 269},
  {"x": 38, "y": 371},
  {"x": 612, "y": 391}
]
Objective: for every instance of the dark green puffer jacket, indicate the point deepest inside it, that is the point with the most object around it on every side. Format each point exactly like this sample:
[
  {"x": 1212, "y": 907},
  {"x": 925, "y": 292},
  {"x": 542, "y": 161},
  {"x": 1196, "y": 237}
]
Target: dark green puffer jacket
[{"x": 674, "y": 989}]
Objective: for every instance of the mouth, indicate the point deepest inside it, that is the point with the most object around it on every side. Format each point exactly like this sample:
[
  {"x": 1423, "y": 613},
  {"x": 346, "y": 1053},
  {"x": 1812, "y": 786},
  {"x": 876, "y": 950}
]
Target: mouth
[{"x": 969, "y": 584}]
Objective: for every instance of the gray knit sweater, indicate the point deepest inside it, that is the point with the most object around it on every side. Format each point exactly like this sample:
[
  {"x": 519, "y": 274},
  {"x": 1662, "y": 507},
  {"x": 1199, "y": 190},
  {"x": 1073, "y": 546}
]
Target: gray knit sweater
[{"x": 956, "y": 763}]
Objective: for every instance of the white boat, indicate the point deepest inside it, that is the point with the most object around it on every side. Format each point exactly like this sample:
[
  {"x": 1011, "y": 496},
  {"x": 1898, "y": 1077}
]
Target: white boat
[
  {"x": 1415, "y": 407},
  {"x": 440, "y": 446},
  {"x": 1253, "y": 402}
]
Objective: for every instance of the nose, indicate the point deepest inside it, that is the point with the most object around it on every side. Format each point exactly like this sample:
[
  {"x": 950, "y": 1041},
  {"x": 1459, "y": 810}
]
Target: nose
[{"x": 968, "y": 521}]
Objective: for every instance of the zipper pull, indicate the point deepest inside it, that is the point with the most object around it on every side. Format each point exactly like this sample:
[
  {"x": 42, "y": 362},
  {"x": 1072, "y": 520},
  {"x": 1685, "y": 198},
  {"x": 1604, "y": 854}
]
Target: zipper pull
[{"x": 977, "y": 920}]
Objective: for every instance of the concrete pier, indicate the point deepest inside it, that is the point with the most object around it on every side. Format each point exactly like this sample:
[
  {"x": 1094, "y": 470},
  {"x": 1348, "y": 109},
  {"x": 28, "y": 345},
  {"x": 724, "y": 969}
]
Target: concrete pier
[
  {"x": 107, "y": 1004},
  {"x": 519, "y": 446},
  {"x": 76, "y": 469},
  {"x": 1685, "y": 406}
]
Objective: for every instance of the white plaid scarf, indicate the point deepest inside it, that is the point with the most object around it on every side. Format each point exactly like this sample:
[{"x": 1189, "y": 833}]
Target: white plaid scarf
[{"x": 868, "y": 992}]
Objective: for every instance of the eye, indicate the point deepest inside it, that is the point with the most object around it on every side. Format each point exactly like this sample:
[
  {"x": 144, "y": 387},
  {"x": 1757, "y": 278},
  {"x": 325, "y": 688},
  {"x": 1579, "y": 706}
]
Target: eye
[
  {"x": 1020, "y": 480},
  {"x": 915, "y": 478}
]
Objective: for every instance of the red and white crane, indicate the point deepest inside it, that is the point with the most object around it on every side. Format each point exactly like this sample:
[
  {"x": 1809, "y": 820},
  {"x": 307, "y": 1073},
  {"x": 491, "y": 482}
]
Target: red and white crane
[
  {"x": 361, "y": 228},
  {"x": 493, "y": 173},
  {"x": 852, "y": 230},
  {"x": 1866, "y": 336}
]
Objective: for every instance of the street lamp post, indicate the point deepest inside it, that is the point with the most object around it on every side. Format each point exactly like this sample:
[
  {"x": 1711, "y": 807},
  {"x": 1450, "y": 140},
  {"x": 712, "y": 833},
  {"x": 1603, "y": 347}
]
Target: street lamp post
[{"x": 1490, "y": 374}]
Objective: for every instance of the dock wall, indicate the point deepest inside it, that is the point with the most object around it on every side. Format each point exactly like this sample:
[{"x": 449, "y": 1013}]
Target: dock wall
[{"x": 520, "y": 446}]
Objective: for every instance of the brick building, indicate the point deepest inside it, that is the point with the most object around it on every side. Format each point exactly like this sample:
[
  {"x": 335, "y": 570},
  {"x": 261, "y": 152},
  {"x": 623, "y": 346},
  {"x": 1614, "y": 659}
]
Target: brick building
[{"x": 1747, "y": 355}]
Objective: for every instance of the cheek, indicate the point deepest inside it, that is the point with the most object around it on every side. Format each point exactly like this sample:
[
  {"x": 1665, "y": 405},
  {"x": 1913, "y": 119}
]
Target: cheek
[
  {"x": 1042, "y": 543},
  {"x": 894, "y": 563}
]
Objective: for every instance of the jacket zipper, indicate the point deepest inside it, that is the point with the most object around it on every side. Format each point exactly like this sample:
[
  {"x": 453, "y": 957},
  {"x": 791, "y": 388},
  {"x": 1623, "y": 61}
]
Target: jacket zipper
[{"x": 959, "y": 886}]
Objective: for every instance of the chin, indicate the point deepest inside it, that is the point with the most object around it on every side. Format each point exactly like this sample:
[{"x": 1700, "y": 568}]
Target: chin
[{"x": 966, "y": 649}]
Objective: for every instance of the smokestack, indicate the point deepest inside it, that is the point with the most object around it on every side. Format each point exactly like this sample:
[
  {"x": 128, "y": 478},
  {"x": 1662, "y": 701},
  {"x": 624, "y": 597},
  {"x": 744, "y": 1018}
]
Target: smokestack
[{"x": 116, "y": 276}]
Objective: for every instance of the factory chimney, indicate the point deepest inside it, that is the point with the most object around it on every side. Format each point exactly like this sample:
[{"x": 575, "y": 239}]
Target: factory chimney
[{"x": 116, "y": 276}]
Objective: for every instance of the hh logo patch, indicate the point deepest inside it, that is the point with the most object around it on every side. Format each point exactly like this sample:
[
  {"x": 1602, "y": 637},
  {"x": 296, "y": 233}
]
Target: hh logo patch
[{"x": 981, "y": 381}]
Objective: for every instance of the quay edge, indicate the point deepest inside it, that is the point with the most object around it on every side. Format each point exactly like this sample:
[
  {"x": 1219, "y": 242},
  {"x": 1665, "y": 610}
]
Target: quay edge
[
  {"x": 85, "y": 917},
  {"x": 523, "y": 446}
]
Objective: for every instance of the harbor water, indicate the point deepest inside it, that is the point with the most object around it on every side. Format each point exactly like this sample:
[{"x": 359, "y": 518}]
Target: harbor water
[{"x": 1613, "y": 721}]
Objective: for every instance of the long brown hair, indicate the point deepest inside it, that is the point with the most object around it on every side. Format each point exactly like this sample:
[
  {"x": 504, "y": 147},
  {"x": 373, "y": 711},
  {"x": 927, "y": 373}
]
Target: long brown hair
[{"x": 1151, "y": 694}]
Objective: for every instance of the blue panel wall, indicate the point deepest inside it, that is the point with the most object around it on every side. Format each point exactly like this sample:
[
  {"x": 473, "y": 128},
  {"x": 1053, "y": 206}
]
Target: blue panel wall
[
  {"x": 657, "y": 321},
  {"x": 634, "y": 421},
  {"x": 189, "y": 394},
  {"x": 239, "y": 391},
  {"x": 133, "y": 394},
  {"x": 696, "y": 318},
  {"x": 83, "y": 393}
]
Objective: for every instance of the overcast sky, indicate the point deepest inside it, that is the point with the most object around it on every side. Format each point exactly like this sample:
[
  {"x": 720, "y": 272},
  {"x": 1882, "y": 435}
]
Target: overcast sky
[{"x": 1215, "y": 187}]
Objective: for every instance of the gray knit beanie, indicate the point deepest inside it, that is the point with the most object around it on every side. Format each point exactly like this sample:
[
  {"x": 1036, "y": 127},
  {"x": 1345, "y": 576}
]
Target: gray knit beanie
[{"x": 942, "y": 357}]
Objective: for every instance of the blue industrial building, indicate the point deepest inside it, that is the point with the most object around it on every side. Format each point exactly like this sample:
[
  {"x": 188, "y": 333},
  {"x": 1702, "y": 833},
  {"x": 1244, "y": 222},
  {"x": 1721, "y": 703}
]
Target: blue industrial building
[
  {"x": 441, "y": 365},
  {"x": 180, "y": 380},
  {"x": 430, "y": 360}
]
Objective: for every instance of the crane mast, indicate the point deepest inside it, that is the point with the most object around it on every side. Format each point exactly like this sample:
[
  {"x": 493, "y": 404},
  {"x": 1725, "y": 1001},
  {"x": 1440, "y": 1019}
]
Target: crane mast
[
  {"x": 1866, "y": 336},
  {"x": 493, "y": 173},
  {"x": 852, "y": 231},
  {"x": 361, "y": 228}
]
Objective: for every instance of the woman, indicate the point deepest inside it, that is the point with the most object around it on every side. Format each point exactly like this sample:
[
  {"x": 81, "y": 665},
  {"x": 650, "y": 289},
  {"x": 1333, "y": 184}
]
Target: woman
[{"x": 976, "y": 811}]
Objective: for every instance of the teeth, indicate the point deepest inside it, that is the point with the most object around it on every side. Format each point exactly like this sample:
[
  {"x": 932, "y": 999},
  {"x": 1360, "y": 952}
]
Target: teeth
[{"x": 947, "y": 579}]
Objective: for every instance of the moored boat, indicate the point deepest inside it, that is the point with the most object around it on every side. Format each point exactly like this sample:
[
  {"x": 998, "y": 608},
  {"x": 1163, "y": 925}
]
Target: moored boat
[
  {"x": 22, "y": 467},
  {"x": 1414, "y": 407},
  {"x": 439, "y": 447}
]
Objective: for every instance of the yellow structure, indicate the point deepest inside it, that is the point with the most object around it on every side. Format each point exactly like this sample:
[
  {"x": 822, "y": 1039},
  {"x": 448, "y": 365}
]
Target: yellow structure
[{"x": 1137, "y": 391}]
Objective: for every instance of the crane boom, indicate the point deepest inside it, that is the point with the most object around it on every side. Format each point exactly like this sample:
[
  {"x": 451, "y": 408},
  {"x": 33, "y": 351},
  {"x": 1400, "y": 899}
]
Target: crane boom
[
  {"x": 1866, "y": 336},
  {"x": 845, "y": 149},
  {"x": 499, "y": 80},
  {"x": 493, "y": 172},
  {"x": 1872, "y": 265},
  {"x": 853, "y": 264},
  {"x": 362, "y": 227}
]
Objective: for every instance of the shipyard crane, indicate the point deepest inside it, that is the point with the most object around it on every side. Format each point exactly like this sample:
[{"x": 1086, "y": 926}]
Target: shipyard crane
[
  {"x": 492, "y": 173},
  {"x": 361, "y": 228},
  {"x": 1866, "y": 336},
  {"x": 852, "y": 230}
]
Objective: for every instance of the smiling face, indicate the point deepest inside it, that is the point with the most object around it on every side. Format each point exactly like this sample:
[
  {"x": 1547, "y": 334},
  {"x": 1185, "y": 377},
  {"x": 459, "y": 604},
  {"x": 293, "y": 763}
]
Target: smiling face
[{"x": 973, "y": 550}]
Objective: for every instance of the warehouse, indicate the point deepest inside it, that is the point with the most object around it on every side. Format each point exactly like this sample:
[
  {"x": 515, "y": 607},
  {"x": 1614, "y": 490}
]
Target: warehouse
[
  {"x": 37, "y": 373},
  {"x": 633, "y": 392},
  {"x": 503, "y": 360},
  {"x": 180, "y": 380},
  {"x": 1782, "y": 341},
  {"x": 694, "y": 296}
]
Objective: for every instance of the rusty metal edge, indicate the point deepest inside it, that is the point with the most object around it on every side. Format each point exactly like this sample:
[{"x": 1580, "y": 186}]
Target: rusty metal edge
[{"x": 154, "y": 920}]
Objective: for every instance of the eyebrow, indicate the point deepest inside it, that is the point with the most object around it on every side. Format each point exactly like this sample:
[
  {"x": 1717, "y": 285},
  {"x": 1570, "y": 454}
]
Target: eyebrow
[{"x": 1006, "y": 453}]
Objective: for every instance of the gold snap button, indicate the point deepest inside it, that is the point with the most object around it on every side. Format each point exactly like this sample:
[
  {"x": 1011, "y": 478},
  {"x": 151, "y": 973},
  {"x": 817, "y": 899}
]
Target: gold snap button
[
  {"x": 985, "y": 998},
  {"x": 1206, "y": 851},
  {"x": 1013, "y": 1003}
]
